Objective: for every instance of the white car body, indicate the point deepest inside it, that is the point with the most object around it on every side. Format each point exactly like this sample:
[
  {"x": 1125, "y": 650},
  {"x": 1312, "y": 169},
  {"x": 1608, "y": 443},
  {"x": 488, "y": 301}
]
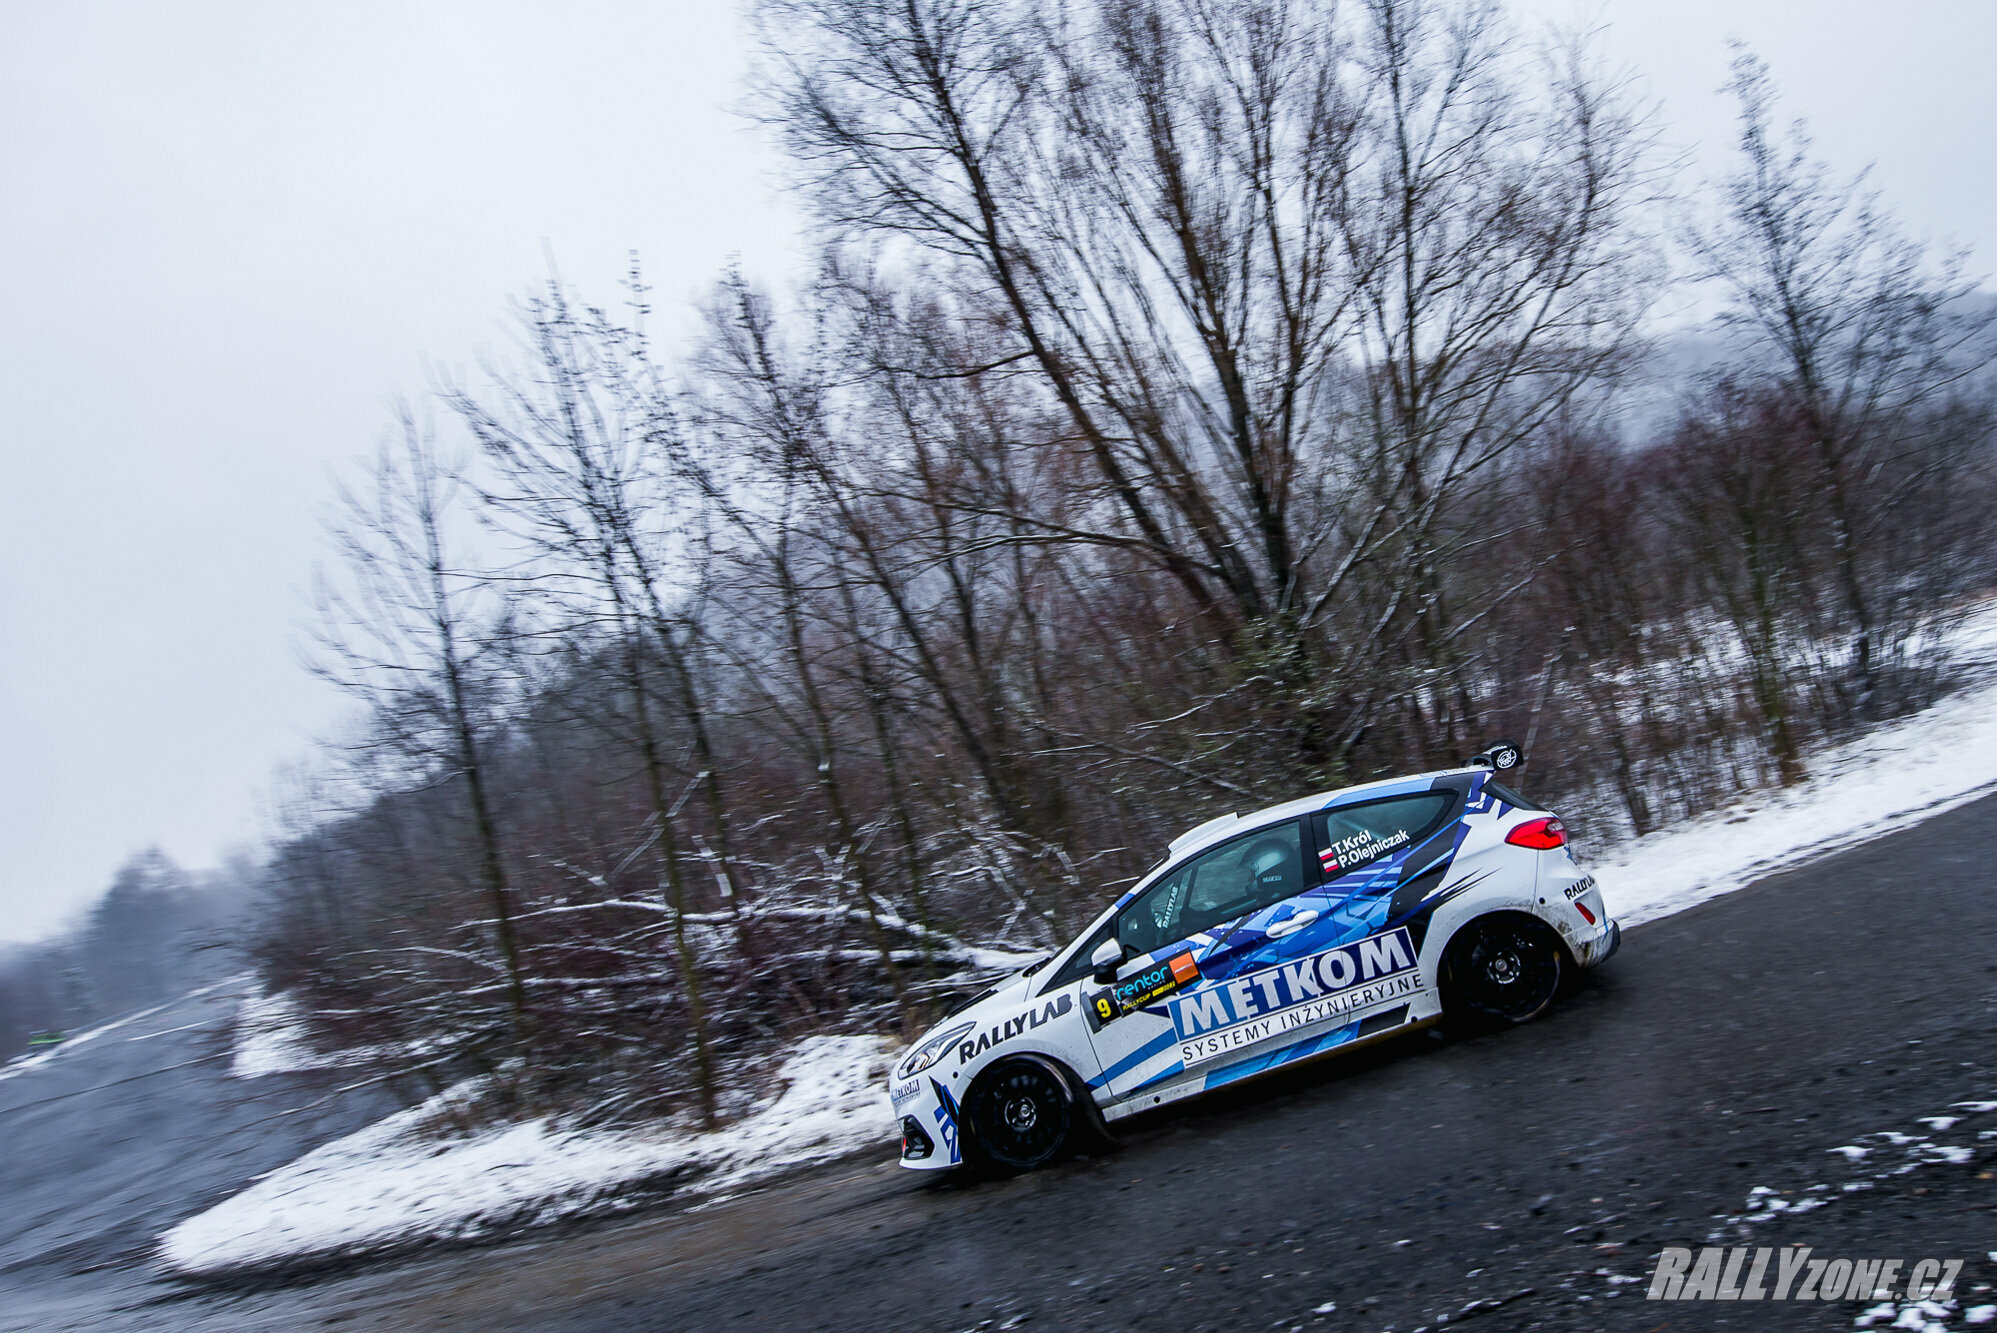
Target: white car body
[{"x": 1339, "y": 947}]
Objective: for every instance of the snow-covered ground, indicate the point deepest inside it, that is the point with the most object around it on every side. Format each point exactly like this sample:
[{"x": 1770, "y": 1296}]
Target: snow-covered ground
[
  {"x": 1898, "y": 775},
  {"x": 270, "y": 1039},
  {"x": 396, "y": 1182}
]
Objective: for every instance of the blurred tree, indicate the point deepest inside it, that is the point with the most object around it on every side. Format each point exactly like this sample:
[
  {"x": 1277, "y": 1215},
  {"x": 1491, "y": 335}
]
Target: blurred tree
[{"x": 1860, "y": 328}]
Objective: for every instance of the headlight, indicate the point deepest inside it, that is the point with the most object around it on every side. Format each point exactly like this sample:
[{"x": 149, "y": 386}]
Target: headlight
[{"x": 932, "y": 1050}]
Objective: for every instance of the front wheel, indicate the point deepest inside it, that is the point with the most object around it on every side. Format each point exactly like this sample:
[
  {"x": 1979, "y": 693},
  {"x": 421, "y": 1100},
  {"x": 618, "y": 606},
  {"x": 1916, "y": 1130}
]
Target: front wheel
[
  {"x": 1021, "y": 1112},
  {"x": 1501, "y": 970}
]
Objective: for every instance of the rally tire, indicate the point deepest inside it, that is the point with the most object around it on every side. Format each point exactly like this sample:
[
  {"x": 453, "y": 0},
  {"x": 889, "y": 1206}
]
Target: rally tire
[
  {"x": 1500, "y": 970},
  {"x": 1022, "y": 1115}
]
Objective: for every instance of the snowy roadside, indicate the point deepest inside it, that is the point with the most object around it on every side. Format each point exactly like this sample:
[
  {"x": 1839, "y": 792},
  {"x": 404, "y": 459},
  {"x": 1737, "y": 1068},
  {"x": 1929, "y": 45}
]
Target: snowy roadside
[
  {"x": 1881, "y": 782},
  {"x": 270, "y": 1039},
  {"x": 396, "y": 1184}
]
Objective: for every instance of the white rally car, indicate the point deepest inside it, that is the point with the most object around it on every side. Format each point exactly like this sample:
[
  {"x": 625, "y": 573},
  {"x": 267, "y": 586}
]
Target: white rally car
[{"x": 1301, "y": 930}]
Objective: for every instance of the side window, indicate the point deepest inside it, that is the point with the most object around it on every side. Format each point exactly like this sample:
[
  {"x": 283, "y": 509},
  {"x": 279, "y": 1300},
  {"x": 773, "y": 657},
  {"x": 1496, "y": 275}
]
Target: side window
[
  {"x": 1235, "y": 878},
  {"x": 1354, "y": 836}
]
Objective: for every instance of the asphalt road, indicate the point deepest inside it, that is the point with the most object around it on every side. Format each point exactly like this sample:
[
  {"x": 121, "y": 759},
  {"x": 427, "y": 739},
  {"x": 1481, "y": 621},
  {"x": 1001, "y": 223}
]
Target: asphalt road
[
  {"x": 115, "y": 1138},
  {"x": 1509, "y": 1180}
]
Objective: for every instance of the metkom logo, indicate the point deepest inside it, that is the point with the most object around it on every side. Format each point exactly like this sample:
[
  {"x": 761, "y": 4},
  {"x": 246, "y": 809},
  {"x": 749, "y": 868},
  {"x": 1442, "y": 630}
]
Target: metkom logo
[{"x": 1345, "y": 982}]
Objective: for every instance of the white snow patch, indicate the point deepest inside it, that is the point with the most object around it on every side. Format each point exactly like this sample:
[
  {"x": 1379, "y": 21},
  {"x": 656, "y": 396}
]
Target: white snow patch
[
  {"x": 1924, "y": 1316},
  {"x": 395, "y": 1182},
  {"x": 270, "y": 1039},
  {"x": 1884, "y": 781},
  {"x": 1763, "y": 1204}
]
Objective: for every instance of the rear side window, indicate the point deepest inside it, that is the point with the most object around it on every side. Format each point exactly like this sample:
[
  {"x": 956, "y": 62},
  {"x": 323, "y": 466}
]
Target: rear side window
[{"x": 1354, "y": 836}]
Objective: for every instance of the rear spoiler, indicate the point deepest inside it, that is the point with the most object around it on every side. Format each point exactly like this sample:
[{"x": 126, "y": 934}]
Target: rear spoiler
[{"x": 1499, "y": 757}]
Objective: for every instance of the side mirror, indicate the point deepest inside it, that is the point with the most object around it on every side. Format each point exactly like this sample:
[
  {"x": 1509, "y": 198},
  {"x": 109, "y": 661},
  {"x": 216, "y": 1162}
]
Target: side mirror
[{"x": 1105, "y": 960}]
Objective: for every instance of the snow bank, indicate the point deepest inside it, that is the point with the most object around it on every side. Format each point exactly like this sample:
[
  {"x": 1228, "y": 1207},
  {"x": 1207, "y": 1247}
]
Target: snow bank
[
  {"x": 1886, "y": 780},
  {"x": 271, "y": 1038},
  {"x": 394, "y": 1183}
]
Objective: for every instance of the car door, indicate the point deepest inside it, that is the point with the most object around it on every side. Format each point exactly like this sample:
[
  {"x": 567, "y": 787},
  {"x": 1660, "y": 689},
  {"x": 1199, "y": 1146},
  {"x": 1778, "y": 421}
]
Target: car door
[
  {"x": 1182, "y": 935},
  {"x": 1295, "y": 974},
  {"x": 1384, "y": 857}
]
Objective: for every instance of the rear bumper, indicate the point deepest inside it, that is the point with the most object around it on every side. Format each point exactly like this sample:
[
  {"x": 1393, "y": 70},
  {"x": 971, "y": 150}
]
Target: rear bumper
[{"x": 1603, "y": 949}]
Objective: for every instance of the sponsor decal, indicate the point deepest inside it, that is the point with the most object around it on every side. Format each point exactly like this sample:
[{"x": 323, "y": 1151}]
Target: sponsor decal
[
  {"x": 1154, "y": 983},
  {"x": 1002, "y": 1033},
  {"x": 1579, "y": 887},
  {"x": 903, "y": 1094},
  {"x": 1750, "y": 1273},
  {"x": 1347, "y": 981},
  {"x": 945, "y": 1114},
  {"x": 1348, "y": 854}
]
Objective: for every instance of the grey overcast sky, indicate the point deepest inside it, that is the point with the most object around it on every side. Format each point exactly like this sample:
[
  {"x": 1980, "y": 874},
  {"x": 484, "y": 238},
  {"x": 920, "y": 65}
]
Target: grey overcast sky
[{"x": 229, "y": 232}]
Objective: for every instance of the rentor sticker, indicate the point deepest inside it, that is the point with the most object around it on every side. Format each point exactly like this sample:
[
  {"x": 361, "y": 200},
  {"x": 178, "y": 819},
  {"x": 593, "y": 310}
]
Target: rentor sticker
[
  {"x": 1156, "y": 982},
  {"x": 1152, "y": 984}
]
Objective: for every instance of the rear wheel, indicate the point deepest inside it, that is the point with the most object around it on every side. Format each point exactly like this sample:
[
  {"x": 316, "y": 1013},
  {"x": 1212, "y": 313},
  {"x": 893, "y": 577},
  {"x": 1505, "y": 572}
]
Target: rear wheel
[
  {"x": 1022, "y": 1113},
  {"x": 1501, "y": 970}
]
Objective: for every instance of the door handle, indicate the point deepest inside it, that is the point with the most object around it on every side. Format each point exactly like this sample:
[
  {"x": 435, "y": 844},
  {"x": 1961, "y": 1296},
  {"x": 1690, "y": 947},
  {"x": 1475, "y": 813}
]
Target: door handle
[{"x": 1291, "y": 925}]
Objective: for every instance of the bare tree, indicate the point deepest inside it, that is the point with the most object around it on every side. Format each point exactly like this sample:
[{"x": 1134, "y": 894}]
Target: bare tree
[
  {"x": 1293, "y": 281},
  {"x": 1858, "y": 325},
  {"x": 409, "y": 630},
  {"x": 583, "y": 480}
]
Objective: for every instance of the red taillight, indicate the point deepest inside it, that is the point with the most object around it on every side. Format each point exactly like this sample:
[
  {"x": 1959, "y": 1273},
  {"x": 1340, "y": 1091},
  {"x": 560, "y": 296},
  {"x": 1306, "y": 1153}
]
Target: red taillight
[{"x": 1542, "y": 835}]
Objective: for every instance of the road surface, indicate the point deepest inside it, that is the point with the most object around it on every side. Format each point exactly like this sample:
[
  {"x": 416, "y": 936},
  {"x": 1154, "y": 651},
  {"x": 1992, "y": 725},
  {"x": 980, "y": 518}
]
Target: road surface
[{"x": 1517, "y": 1180}]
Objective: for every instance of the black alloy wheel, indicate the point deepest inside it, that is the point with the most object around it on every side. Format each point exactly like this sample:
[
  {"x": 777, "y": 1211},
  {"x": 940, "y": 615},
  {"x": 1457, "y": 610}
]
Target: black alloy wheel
[
  {"x": 1501, "y": 970},
  {"x": 1021, "y": 1111}
]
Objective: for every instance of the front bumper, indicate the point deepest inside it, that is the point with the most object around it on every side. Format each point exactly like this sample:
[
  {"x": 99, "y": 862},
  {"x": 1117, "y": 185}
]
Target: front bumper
[{"x": 927, "y": 1107}]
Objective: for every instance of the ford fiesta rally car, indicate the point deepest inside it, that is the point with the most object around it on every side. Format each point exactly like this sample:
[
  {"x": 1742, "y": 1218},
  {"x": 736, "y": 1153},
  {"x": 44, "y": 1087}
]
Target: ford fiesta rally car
[{"x": 1301, "y": 930}]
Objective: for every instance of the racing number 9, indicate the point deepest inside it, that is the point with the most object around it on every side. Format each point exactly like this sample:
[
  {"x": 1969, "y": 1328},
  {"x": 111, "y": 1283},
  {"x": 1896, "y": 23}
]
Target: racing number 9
[{"x": 1105, "y": 1010}]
